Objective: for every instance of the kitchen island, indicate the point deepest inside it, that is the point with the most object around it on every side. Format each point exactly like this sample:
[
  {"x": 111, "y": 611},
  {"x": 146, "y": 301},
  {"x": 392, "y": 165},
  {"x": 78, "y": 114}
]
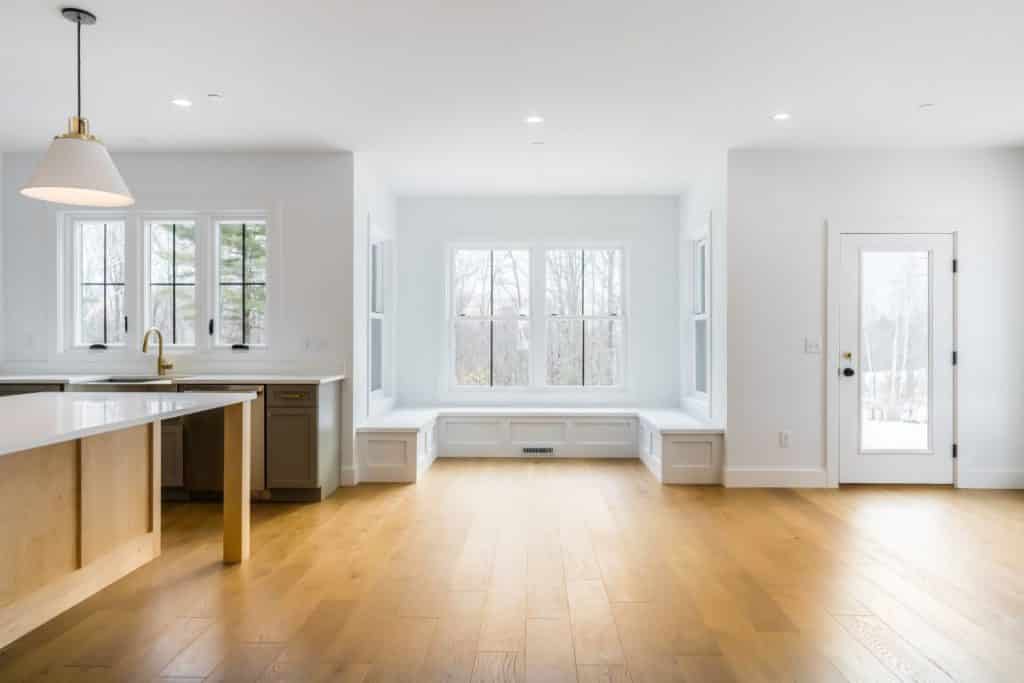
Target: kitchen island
[{"x": 80, "y": 493}]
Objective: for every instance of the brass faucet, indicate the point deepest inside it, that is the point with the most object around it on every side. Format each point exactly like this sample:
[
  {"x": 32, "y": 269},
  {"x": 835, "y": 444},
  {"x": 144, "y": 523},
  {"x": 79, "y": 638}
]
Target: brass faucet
[{"x": 162, "y": 366}]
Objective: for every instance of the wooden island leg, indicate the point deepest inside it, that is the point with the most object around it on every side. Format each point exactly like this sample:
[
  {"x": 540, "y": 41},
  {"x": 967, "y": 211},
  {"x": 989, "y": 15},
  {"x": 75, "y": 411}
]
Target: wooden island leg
[{"x": 237, "y": 445}]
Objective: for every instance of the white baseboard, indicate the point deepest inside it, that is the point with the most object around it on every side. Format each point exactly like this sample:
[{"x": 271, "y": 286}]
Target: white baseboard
[
  {"x": 742, "y": 477},
  {"x": 990, "y": 479},
  {"x": 349, "y": 476}
]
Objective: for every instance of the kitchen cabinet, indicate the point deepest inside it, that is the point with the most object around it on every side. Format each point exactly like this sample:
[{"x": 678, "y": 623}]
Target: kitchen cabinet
[
  {"x": 16, "y": 389},
  {"x": 172, "y": 458},
  {"x": 203, "y": 444},
  {"x": 296, "y": 434},
  {"x": 303, "y": 440},
  {"x": 291, "y": 447}
]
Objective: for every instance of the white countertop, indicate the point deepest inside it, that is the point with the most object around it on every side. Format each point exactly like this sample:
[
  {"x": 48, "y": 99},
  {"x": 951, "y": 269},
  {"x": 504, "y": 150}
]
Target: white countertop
[
  {"x": 255, "y": 378},
  {"x": 50, "y": 378},
  {"x": 34, "y": 420},
  {"x": 258, "y": 379}
]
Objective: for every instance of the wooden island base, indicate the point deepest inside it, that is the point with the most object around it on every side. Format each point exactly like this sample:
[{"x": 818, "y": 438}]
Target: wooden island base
[
  {"x": 78, "y": 515},
  {"x": 75, "y": 517}
]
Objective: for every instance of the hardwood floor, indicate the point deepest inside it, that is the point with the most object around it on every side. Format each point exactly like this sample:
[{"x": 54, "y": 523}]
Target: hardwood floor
[{"x": 565, "y": 571}]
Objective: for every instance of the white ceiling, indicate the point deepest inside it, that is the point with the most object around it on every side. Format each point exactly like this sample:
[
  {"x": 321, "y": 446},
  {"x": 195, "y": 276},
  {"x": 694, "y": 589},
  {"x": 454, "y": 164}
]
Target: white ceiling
[{"x": 637, "y": 95}]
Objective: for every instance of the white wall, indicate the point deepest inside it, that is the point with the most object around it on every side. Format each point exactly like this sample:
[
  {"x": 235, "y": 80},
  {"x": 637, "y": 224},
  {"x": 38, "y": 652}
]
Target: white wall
[
  {"x": 374, "y": 209},
  {"x": 648, "y": 226},
  {"x": 703, "y": 207},
  {"x": 778, "y": 205},
  {"x": 309, "y": 194}
]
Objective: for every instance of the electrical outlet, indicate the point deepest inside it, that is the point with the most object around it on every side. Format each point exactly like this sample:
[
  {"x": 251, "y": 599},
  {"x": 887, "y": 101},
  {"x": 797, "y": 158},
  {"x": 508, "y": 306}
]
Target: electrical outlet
[
  {"x": 811, "y": 345},
  {"x": 785, "y": 436}
]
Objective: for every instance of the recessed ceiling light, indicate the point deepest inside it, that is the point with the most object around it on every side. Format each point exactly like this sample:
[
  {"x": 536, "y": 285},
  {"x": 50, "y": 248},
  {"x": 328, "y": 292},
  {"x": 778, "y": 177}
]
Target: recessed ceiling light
[
  {"x": 533, "y": 119},
  {"x": 781, "y": 116},
  {"x": 181, "y": 102}
]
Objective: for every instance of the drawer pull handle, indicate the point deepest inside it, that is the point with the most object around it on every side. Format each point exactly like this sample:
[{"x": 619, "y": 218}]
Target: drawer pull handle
[{"x": 292, "y": 395}]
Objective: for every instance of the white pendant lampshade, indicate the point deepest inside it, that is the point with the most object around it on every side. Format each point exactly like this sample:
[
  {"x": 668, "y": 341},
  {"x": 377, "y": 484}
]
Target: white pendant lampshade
[{"x": 77, "y": 169}]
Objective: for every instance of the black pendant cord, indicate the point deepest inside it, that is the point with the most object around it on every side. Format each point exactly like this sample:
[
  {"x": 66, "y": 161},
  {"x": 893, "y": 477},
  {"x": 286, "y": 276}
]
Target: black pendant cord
[{"x": 78, "y": 79}]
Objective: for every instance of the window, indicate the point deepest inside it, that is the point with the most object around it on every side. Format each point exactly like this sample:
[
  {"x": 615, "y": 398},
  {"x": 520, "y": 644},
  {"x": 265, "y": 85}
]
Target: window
[
  {"x": 100, "y": 311},
  {"x": 583, "y": 292},
  {"x": 171, "y": 298},
  {"x": 241, "y": 308},
  {"x": 701, "y": 318},
  {"x": 378, "y": 295},
  {"x": 491, "y": 305}
]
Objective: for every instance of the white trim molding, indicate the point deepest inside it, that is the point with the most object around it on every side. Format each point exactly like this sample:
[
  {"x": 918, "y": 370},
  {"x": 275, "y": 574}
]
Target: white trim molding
[
  {"x": 749, "y": 477},
  {"x": 990, "y": 479}
]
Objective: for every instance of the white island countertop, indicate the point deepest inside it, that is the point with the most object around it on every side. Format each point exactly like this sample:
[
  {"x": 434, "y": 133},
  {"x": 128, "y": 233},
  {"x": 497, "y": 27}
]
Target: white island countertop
[
  {"x": 198, "y": 378},
  {"x": 34, "y": 420}
]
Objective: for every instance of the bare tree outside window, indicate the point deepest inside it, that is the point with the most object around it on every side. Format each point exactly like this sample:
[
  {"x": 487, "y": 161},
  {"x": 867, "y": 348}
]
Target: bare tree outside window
[
  {"x": 172, "y": 280},
  {"x": 101, "y": 284},
  {"x": 584, "y": 305},
  {"x": 491, "y": 301}
]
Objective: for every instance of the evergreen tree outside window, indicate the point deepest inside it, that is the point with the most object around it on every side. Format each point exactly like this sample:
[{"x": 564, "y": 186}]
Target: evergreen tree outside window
[{"x": 242, "y": 284}]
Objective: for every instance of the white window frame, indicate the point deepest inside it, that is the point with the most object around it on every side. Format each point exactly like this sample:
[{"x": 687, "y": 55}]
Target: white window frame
[
  {"x": 213, "y": 295},
  {"x": 136, "y": 223},
  {"x": 70, "y": 273},
  {"x": 383, "y": 245},
  {"x": 621, "y": 317},
  {"x": 202, "y": 276},
  {"x": 453, "y": 317},
  {"x": 537, "y": 320},
  {"x": 701, "y": 312}
]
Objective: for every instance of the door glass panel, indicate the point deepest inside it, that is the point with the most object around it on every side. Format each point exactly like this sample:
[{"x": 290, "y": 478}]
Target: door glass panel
[{"x": 895, "y": 351}]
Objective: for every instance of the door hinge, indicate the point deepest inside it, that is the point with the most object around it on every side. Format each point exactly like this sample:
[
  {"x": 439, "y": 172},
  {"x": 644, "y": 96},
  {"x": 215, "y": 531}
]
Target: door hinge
[
  {"x": 954, "y": 452},
  {"x": 954, "y": 358},
  {"x": 956, "y": 266}
]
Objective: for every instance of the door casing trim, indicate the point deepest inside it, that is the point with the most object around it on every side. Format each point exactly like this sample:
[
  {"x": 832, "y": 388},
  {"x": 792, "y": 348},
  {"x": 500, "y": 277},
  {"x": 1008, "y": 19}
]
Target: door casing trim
[{"x": 834, "y": 232}]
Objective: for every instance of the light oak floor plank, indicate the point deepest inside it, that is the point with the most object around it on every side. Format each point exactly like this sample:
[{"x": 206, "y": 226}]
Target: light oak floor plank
[{"x": 583, "y": 570}]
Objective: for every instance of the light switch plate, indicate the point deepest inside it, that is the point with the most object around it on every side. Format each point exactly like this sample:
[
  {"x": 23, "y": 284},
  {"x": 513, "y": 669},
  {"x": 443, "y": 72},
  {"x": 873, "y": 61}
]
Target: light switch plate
[{"x": 811, "y": 345}]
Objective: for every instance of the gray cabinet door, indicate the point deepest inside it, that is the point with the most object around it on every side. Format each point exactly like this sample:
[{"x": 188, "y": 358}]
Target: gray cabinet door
[
  {"x": 204, "y": 451},
  {"x": 172, "y": 462},
  {"x": 291, "y": 448},
  {"x": 17, "y": 389}
]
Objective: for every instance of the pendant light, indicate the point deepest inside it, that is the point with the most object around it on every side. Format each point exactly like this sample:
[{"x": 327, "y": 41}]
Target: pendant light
[{"x": 77, "y": 169}]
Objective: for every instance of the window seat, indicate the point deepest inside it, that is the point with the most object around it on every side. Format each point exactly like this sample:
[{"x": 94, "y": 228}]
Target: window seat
[{"x": 398, "y": 446}]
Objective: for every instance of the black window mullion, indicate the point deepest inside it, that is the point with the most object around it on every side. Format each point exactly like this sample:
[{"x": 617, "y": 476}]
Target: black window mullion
[
  {"x": 174, "y": 279},
  {"x": 244, "y": 335},
  {"x": 104, "y": 283}
]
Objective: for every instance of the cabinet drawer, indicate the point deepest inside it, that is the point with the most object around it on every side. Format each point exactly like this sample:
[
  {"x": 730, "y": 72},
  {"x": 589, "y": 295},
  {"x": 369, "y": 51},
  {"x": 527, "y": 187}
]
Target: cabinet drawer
[{"x": 291, "y": 395}]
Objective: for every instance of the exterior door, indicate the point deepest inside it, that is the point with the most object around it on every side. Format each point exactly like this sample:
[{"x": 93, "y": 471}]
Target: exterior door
[{"x": 896, "y": 336}]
